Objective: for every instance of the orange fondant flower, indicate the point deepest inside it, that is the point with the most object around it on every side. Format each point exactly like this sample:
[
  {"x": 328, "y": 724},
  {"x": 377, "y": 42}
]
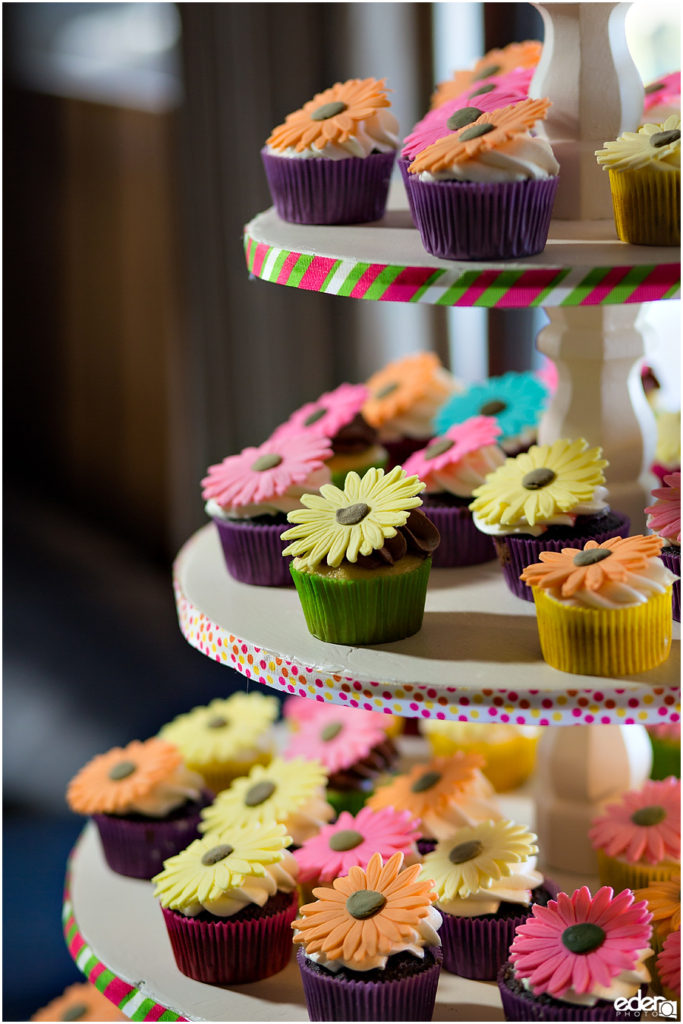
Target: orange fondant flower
[
  {"x": 451, "y": 88},
  {"x": 367, "y": 915},
  {"x": 399, "y": 386},
  {"x": 331, "y": 116},
  {"x": 493, "y": 64},
  {"x": 111, "y": 782},
  {"x": 593, "y": 567},
  {"x": 432, "y": 786},
  {"x": 81, "y": 1001},
  {"x": 490, "y": 130},
  {"x": 664, "y": 903}
]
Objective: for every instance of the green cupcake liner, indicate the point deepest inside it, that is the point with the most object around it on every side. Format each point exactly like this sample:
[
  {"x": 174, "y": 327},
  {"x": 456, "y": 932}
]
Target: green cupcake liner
[
  {"x": 666, "y": 758},
  {"x": 376, "y": 610}
]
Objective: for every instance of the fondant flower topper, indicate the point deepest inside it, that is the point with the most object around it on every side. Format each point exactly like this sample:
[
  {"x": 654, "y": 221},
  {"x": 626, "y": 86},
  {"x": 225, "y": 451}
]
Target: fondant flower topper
[
  {"x": 645, "y": 825},
  {"x": 492, "y": 67},
  {"x": 594, "y": 566},
  {"x": 664, "y": 517},
  {"x": 331, "y": 116},
  {"x": 516, "y": 400}
]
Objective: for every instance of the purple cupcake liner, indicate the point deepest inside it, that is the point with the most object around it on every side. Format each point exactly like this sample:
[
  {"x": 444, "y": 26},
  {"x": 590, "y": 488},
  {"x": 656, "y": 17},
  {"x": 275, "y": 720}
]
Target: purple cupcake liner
[
  {"x": 253, "y": 552},
  {"x": 516, "y": 553},
  {"x": 526, "y": 1008},
  {"x": 425, "y": 846},
  {"x": 672, "y": 560},
  {"x": 137, "y": 846},
  {"x": 462, "y": 220},
  {"x": 229, "y": 952},
  {"x": 330, "y": 997},
  {"x": 319, "y": 191},
  {"x": 403, "y": 164},
  {"x": 461, "y": 542}
]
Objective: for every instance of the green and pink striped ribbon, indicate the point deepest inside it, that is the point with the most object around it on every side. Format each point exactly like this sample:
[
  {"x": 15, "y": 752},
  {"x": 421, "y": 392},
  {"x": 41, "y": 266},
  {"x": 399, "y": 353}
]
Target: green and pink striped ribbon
[{"x": 502, "y": 289}]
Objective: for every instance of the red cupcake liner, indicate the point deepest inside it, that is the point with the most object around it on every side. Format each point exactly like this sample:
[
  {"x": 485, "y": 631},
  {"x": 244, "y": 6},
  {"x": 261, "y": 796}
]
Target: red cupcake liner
[
  {"x": 527, "y": 1008},
  {"x": 253, "y": 552},
  {"x": 463, "y": 220},
  {"x": 226, "y": 951},
  {"x": 137, "y": 846},
  {"x": 515, "y": 553},
  {"x": 672, "y": 560},
  {"x": 461, "y": 542},
  {"x": 330, "y": 997},
  {"x": 320, "y": 191}
]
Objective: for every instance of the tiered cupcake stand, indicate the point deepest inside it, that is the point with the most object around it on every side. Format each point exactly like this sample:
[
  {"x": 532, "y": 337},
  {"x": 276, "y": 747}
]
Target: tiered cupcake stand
[{"x": 477, "y": 657}]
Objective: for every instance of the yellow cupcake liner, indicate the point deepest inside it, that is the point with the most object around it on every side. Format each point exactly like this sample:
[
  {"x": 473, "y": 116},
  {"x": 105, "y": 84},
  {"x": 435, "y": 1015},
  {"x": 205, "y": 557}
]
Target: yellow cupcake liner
[
  {"x": 647, "y": 206},
  {"x": 219, "y": 776},
  {"x": 508, "y": 764},
  {"x": 594, "y": 642},
  {"x": 622, "y": 875}
]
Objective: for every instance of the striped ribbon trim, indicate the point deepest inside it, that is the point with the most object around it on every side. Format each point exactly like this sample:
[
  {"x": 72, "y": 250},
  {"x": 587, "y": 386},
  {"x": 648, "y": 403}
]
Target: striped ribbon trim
[
  {"x": 130, "y": 1000},
  {"x": 502, "y": 289}
]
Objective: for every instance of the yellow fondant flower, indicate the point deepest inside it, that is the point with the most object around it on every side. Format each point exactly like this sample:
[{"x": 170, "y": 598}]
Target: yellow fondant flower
[
  {"x": 475, "y": 857},
  {"x": 265, "y": 794},
  {"x": 653, "y": 145},
  {"x": 548, "y": 480},
  {"x": 221, "y": 729},
  {"x": 213, "y": 865},
  {"x": 340, "y": 524}
]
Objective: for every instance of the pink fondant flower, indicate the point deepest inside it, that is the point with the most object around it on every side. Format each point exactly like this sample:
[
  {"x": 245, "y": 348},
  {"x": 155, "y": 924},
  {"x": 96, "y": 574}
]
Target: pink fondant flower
[
  {"x": 467, "y": 438},
  {"x": 665, "y": 90},
  {"x": 435, "y": 124},
  {"x": 644, "y": 826},
  {"x": 328, "y": 415},
  {"x": 664, "y": 517},
  {"x": 351, "y": 842},
  {"x": 337, "y": 736},
  {"x": 578, "y": 942},
  {"x": 257, "y": 474},
  {"x": 669, "y": 963}
]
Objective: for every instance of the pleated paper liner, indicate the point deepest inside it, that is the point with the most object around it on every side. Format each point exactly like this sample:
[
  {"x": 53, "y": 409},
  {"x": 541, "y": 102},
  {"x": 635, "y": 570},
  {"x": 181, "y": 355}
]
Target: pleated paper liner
[
  {"x": 409, "y": 996},
  {"x": 597, "y": 642},
  {"x": 647, "y": 206},
  {"x": 622, "y": 875},
  {"x": 672, "y": 560},
  {"x": 238, "y": 949},
  {"x": 523, "y": 1006},
  {"x": 462, "y": 220},
  {"x": 375, "y": 610},
  {"x": 253, "y": 552},
  {"x": 461, "y": 542},
  {"x": 323, "y": 191}
]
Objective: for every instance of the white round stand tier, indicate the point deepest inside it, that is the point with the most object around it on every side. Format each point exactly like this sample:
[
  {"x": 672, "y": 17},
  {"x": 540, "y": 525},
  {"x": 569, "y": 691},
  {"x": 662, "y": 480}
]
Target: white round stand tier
[
  {"x": 477, "y": 657},
  {"x": 116, "y": 934}
]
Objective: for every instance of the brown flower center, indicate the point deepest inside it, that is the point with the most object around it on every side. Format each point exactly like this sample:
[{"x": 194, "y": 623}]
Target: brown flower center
[
  {"x": 465, "y": 115},
  {"x": 365, "y": 903},
  {"x": 313, "y": 417},
  {"x": 217, "y": 722},
  {"x": 591, "y": 556},
  {"x": 122, "y": 770},
  {"x": 426, "y": 781},
  {"x": 345, "y": 839},
  {"x": 583, "y": 938},
  {"x": 329, "y": 110},
  {"x": 331, "y": 731},
  {"x": 465, "y": 851},
  {"x": 647, "y": 816},
  {"x": 387, "y": 390},
  {"x": 476, "y": 130},
  {"x": 217, "y": 853},
  {"x": 492, "y": 407},
  {"x": 653, "y": 87},
  {"x": 482, "y": 90},
  {"x": 265, "y": 462},
  {"x": 538, "y": 478},
  {"x": 490, "y": 69},
  {"x": 352, "y": 514},
  {"x": 74, "y": 1012},
  {"x": 664, "y": 138},
  {"x": 438, "y": 448},
  {"x": 259, "y": 793}
]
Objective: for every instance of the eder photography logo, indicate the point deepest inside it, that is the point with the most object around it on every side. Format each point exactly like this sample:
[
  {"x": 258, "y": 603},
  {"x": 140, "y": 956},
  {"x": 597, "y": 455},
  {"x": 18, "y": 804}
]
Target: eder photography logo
[{"x": 651, "y": 1007}]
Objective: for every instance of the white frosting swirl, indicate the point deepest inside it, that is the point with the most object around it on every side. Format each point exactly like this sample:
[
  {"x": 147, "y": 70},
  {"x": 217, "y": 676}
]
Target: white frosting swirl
[
  {"x": 379, "y": 132},
  {"x": 636, "y": 589},
  {"x": 255, "y": 889},
  {"x": 462, "y": 477},
  {"x": 427, "y": 936},
  {"x": 625, "y": 985},
  {"x": 307, "y": 821},
  {"x": 172, "y": 792},
  {"x": 521, "y": 158},
  {"x": 514, "y": 888},
  {"x": 585, "y": 508},
  {"x": 285, "y": 503}
]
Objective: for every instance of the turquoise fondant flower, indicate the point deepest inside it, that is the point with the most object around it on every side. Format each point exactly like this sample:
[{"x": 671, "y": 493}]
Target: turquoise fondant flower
[{"x": 516, "y": 400}]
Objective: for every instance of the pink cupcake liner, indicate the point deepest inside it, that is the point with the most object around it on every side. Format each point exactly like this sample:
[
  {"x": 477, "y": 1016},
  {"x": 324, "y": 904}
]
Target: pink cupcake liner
[
  {"x": 515, "y": 553},
  {"x": 461, "y": 542},
  {"x": 319, "y": 191},
  {"x": 462, "y": 220},
  {"x": 226, "y": 951},
  {"x": 672, "y": 560},
  {"x": 137, "y": 846},
  {"x": 330, "y": 997},
  {"x": 529, "y": 1008},
  {"x": 253, "y": 553}
]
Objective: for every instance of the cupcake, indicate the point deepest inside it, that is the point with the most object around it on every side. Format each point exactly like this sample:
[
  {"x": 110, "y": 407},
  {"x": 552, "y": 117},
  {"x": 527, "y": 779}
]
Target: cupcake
[
  {"x": 515, "y": 400},
  {"x": 369, "y": 948},
  {"x": 338, "y": 416},
  {"x": 638, "y": 839},
  {"x": 405, "y": 396},
  {"x": 144, "y": 801},
  {"x": 444, "y": 794},
  {"x": 509, "y": 751},
  {"x": 226, "y": 738},
  {"x": 451, "y": 466},
  {"x": 669, "y": 966},
  {"x": 352, "y": 745},
  {"x": 499, "y": 66},
  {"x": 228, "y": 902},
  {"x": 603, "y": 614},
  {"x": 664, "y": 519},
  {"x": 485, "y": 880},
  {"x": 248, "y": 496},
  {"x": 81, "y": 1001},
  {"x": 331, "y": 161},
  {"x": 289, "y": 792},
  {"x": 351, "y": 842},
  {"x": 665, "y": 740},
  {"x": 572, "y": 959},
  {"x": 376, "y": 546},
  {"x": 668, "y": 449},
  {"x": 299, "y": 711},
  {"x": 645, "y": 179},
  {"x": 545, "y": 500},
  {"x": 663, "y": 900},
  {"x": 486, "y": 191},
  {"x": 662, "y": 98}
]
